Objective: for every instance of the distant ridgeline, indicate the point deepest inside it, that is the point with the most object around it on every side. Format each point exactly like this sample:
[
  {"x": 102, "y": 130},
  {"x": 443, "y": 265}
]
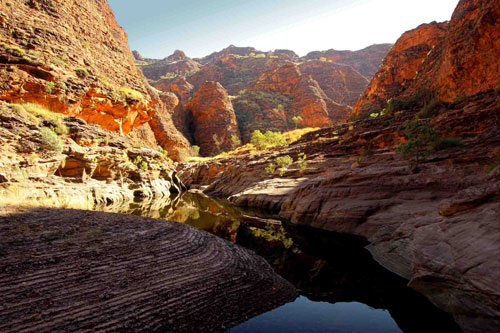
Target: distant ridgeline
[{"x": 262, "y": 90}]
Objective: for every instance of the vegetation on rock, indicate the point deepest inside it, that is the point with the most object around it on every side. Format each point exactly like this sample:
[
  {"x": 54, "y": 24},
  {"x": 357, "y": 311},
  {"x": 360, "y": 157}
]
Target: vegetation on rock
[{"x": 267, "y": 140}]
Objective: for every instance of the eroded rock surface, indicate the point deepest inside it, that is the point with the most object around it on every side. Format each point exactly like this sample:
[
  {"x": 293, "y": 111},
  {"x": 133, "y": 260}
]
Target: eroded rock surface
[
  {"x": 365, "y": 61},
  {"x": 74, "y": 59},
  {"x": 400, "y": 67},
  {"x": 451, "y": 60},
  {"x": 102, "y": 271},
  {"x": 83, "y": 167}
]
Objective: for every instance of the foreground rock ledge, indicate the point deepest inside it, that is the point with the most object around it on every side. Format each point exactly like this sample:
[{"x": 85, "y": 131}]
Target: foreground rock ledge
[{"x": 73, "y": 270}]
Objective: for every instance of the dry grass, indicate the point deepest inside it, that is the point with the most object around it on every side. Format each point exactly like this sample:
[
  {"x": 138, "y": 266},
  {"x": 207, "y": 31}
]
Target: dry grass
[
  {"x": 132, "y": 94},
  {"x": 38, "y": 112},
  {"x": 249, "y": 148}
]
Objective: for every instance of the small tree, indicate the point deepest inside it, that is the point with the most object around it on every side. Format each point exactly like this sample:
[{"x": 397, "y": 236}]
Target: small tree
[
  {"x": 302, "y": 162},
  {"x": 284, "y": 162},
  {"x": 196, "y": 150},
  {"x": 258, "y": 139},
  {"x": 271, "y": 168},
  {"x": 420, "y": 141},
  {"x": 235, "y": 141},
  {"x": 296, "y": 121}
]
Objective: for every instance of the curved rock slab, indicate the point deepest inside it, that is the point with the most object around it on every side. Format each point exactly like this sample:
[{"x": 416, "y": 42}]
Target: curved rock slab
[{"x": 72, "y": 270}]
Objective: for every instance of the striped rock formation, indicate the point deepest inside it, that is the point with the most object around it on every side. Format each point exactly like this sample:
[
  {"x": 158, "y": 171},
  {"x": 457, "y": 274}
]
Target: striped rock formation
[{"x": 70, "y": 270}]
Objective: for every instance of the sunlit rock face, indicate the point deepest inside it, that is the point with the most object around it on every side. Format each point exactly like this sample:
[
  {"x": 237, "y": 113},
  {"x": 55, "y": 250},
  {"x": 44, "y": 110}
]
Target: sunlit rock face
[
  {"x": 468, "y": 60},
  {"x": 307, "y": 99},
  {"x": 75, "y": 60},
  {"x": 451, "y": 60},
  {"x": 402, "y": 64}
]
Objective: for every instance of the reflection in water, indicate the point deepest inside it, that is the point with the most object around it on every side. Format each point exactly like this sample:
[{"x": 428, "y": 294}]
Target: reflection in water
[
  {"x": 342, "y": 287},
  {"x": 304, "y": 315}
]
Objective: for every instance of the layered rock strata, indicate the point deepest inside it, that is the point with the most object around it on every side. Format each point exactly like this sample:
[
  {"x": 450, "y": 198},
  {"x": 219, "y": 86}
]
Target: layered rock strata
[
  {"x": 83, "y": 166},
  {"x": 74, "y": 59},
  {"x": 102, "y": 271}
]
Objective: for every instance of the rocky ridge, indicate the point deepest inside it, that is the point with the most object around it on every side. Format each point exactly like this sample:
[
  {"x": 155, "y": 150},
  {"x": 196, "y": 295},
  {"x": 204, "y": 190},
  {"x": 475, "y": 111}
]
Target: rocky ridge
[
  {"x": 322, "y": 97},
  {"x": 83, "y": 167},
  {"x": 366, "y": 61},
  {"x": 74, "y": 59}
]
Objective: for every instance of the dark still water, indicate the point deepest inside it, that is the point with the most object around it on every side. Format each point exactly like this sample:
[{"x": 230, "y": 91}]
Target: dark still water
[{"x": 341, "y": 287}]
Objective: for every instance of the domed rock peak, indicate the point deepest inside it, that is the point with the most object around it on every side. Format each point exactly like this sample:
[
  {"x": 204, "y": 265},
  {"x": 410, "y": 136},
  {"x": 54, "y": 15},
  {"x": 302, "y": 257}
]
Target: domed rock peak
[
  {"x": 214, "y": 120},
  {"x": 177, "y": 55}
]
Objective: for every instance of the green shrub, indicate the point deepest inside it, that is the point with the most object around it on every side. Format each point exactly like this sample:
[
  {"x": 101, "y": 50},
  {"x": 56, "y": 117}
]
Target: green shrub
[
  {"x": 271, "y": 168},
  {"x": 284, "y": 162},
  {"x": 50, "y": 140},
  {"x": 235, "y": 141},
  {"x": 138, "y": 160},
  {"x": 196, "y": 150},
  {"x": 144, "y": 165},
  {"x": 296, "y": 121},
  {"x": 49, "y": 86},
  {"x": 268, "y": 140},
  {"x": 163, "y": 151},
  {"x": 302, "y": 162}
]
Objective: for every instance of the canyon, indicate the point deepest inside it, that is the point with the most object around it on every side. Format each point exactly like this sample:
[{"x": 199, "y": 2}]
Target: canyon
[
  {"x": 267, "y": 89},
  {"x": 399, "y": 147}
]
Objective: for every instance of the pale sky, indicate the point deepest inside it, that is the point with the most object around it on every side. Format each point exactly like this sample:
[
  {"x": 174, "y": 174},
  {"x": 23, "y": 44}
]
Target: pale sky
[{"x": 199, "y": 27}]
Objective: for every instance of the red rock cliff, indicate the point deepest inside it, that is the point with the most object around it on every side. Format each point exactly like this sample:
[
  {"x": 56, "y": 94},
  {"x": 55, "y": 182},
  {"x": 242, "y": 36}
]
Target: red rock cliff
[
  {"x": 454, "y": 59},
  {"x": 214, "y": 120},
  {"x": 468, "y": 60},
  {"x": 73, "y": 58},
  {"x": 401, "y": 65},
  {"x": 308, "y": 100}
]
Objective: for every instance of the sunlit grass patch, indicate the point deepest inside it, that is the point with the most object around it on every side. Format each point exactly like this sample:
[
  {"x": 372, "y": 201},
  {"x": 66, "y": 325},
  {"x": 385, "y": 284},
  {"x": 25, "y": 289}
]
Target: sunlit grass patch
[
  {"x": 39, "y": 113},
  {"x": 132, "y": 94}
]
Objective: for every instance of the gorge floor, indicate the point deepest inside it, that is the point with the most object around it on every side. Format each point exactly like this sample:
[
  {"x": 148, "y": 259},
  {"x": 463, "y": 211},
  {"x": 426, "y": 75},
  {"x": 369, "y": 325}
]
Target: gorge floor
[{"x": 341, "y": 286}]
